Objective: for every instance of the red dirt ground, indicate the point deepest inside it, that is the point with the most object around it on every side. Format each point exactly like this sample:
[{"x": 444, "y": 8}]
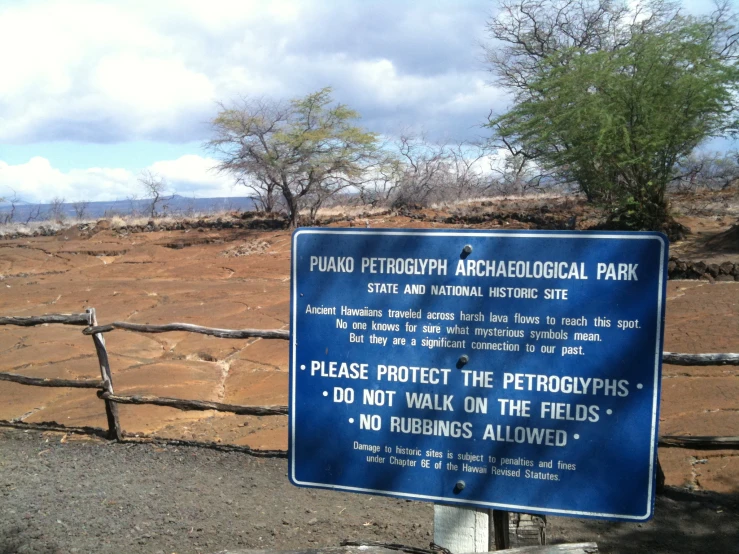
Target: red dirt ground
[{"x": 138, "y": 278}]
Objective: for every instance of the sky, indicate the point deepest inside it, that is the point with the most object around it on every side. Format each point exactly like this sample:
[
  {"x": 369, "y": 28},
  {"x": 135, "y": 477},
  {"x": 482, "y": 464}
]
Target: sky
[{"x": 93, "y": 93}]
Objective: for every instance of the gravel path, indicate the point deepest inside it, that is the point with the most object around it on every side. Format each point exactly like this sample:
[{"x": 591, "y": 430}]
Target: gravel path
[{"x": 62, "y": 494}]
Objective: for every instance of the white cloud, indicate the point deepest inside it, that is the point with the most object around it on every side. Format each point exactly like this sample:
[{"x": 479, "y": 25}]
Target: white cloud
[
  {"x": 37, "y": 181},
  {"x": 131, "y": 70},
  {"x": 196, "y": 176},
  {"x": 91, "y": 71}
]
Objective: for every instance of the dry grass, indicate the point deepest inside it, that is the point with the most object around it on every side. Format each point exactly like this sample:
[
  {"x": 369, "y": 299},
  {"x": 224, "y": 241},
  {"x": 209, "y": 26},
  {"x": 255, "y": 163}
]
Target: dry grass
[
  {"x": 348, "y": 211},
  {"x": 355, "y": 210},
  {"x": 707, "y": 204},
  {"x": 494, "y": 200},
  {"x": 246, "y": 249},
  {"x": 120, "y": 222},
  {"x": 117, "y": 222},
  {"x": 27, "y": 229}
]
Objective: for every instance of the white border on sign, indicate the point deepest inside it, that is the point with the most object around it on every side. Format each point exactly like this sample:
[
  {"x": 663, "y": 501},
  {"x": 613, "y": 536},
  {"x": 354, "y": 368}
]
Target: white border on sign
[{"x": 511, "y": 507}]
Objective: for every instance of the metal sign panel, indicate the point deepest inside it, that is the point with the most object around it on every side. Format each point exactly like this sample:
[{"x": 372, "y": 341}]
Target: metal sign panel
[{"x": 516, "y": 370}]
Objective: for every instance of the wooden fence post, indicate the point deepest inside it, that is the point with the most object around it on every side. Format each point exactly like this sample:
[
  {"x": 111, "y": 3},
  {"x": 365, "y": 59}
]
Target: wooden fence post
[
  {"x": 111, "y": 408},
  {"x": 500, "y": 538},
  {"x": 462, "y": 529},
  {"x": 527, "y": 530},
  {"x": 660, "y": 488},
  {"x": 479, "y": 530}
]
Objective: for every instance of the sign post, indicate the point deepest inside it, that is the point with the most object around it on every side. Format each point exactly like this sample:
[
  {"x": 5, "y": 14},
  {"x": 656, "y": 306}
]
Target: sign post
[{"x": 486, "y": 369}]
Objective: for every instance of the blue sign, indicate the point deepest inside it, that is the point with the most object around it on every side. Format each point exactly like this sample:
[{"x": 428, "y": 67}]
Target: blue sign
[{"x": 516, "y": 370}]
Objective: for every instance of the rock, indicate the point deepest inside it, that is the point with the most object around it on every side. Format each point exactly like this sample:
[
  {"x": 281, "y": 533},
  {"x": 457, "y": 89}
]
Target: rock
[
  {"x": 696, "y": 270},
  {"x": 313, "y": 521},
  {"x": 726, "y": 268},
  {"x": 700, "y": 267},
  {"x": 725, "y": 278},
  {"x": 713, "y": 269}
]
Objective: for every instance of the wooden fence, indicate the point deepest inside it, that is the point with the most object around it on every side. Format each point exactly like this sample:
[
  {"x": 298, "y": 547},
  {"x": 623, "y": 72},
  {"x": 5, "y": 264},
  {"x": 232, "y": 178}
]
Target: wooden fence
[
  {"x": 525, "y": 528},
  {"x": 107, "y": 393}
]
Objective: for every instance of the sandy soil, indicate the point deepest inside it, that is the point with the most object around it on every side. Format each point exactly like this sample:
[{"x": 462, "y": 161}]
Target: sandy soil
[{"x": 239, "y": 278}]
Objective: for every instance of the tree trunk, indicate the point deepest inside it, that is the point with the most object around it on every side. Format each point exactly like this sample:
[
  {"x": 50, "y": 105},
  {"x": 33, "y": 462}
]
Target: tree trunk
[
  {"x": 271, "y": 199},
  {"x": 293, "y": 215},
  {"x": 292, "y": 204},
  {"x": 293, "y": 211}
]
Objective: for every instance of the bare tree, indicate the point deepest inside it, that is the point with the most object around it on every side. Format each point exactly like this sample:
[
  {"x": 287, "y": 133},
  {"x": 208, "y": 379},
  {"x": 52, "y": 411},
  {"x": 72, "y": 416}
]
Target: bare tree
[
  {"x": 516, "y": 174},
  {"x": 56, "y": 210},
  {"x": 9, "y": 216},
  {"x": 421, "y": 172},
  {"x": 189, "y": 208},
  {"x": 133, "y": 204},
  {"x": 468, "y": 168},
  {"x": 703, "y": 170},
  {"x": 80, "y": 209},
  {"x": 155, "y": 191},
  {"x": 418, "y": 172},
  {"x": 33, "y": 214}
]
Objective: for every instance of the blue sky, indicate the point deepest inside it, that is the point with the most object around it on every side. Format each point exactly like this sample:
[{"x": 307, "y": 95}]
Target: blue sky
[
  {"x": 94, "y": 92},
  {"x": 67, "y": 155}
]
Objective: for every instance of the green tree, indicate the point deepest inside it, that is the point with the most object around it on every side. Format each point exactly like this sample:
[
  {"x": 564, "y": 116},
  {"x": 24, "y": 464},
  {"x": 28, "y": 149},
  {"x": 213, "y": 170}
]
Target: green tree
[
  {"x": 618, "y": 113},
  {"x": 304, "y": 150}
]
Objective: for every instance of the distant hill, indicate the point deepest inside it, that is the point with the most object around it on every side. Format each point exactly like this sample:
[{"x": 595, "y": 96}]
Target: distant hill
[{"x": 177, "y": 205}]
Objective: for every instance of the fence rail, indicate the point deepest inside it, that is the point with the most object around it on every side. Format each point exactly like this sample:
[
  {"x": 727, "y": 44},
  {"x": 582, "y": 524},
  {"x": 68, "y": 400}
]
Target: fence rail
[
  {"x": 48, "y": 382},
  {"x": 106, "y": 391},
  {"x": 222, "y": 333},
  {"x": 675, "y": 358},
  {"x": 203, "y": 405},
  {"x": 699, "y": 442},
  {"x": 66, "y": 319}
]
